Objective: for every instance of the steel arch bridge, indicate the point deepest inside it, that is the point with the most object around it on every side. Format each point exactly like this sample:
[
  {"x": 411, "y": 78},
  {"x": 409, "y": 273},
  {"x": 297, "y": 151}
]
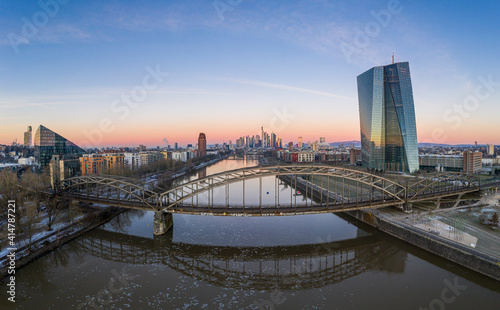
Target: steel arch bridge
[
  {"x": 323, "y": 189},
  {"x": 114, "y": 190}
]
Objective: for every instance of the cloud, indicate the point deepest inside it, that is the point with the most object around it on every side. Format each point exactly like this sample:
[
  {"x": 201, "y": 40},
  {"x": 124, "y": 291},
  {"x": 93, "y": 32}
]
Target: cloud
[{"x": 285, "y": 87}]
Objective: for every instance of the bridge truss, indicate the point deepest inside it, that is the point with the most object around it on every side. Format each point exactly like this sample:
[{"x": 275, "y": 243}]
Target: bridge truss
[{"x": 312, "y": 189}]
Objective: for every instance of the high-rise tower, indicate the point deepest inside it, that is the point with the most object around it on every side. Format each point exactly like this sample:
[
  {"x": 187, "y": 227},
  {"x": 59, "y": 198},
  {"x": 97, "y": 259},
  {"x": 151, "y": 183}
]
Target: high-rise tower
[
  {"x": 202, "y": 145},
  {"x": 28, "y": 137},
  {"x": 387, "y": 118}
]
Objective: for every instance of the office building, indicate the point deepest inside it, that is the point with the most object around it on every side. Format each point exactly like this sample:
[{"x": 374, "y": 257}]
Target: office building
[
  {"x": 28, "y": 137},
  {"x": 202, "y": 145},
  {"x": 48, "y": 143},
  {"x": 387, "y": 118},
  {"x": 322, "y": 139},
  {"x": 62, "y": 167},
  {"x": 300, "y": 142}
]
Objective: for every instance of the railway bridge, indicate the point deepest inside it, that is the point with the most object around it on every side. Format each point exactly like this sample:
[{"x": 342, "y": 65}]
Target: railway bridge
[{"x": 274, "y": 191}]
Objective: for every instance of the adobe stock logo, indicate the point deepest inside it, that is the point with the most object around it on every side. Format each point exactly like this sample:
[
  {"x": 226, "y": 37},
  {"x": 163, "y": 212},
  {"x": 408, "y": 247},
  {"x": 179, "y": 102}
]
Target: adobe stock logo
[
  {"x": 363, "y": 37},
  {"x": 461, "y": 111},
  {"x": 222, "y": 6},
  {"x": 49, "y": 9}
]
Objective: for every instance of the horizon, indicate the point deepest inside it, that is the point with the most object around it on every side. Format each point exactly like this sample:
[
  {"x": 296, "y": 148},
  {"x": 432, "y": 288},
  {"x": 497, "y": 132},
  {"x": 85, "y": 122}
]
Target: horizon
[{"x": 122, "y": 73}]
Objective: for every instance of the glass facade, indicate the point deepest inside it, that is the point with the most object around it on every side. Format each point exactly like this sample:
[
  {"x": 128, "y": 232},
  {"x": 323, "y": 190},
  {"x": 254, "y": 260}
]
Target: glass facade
[
  {"x": 387, "y": 118},
  {"x": 48, "y": 143}
]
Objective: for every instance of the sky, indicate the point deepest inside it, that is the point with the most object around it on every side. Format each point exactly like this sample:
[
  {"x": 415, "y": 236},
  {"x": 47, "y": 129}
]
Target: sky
[{"x": 123, "y": 73}]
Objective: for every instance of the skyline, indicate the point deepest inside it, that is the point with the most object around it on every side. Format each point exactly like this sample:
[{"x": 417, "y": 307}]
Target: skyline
[{"x": 228, "y": 76}]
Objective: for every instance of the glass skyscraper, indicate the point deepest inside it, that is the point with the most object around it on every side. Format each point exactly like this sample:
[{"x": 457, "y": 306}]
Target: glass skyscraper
[
  {"x": 48, "y": 143},
  {"x": 387, "y": 117}
]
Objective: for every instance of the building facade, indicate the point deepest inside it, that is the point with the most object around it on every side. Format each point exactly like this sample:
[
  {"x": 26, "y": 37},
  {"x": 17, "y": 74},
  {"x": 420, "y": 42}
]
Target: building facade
[
  {"x": 387, "y": 118},
  {"x": 133, "y": 160},
  {"x": 490, "y": 148},
  {"x": 92, "y": 164},
  {"x": 28, "y": 137},
  {"x": 101, "y": 163},
  {"x": 441, "y": 162},
  {"x": 48, "y": 143},
  {"x": 473, "y": 162},
  {"x": 202, "y": 145}
]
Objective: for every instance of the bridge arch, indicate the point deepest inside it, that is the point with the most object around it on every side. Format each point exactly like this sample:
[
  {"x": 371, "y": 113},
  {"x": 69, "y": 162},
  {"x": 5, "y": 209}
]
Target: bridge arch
[
  {"x": 435, "y": 183},
  {"x": 128, "y": 192},
  {"x": 391, "y": 189}
]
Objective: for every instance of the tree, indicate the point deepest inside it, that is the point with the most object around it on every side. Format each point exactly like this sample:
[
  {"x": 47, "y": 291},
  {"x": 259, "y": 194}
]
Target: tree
[
  {"x": 34, "y": 184},
  {"x": 494, "y": 219},
  {"x": 29, "y": 221},
  {"x": 9, "y": 190},
  {"x": 74, "y": 211},
  {"x": 54, "y": 205}
]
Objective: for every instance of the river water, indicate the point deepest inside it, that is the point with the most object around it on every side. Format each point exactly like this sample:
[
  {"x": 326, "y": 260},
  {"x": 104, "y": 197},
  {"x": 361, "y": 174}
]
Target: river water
[{"x": 325, "y": 261}]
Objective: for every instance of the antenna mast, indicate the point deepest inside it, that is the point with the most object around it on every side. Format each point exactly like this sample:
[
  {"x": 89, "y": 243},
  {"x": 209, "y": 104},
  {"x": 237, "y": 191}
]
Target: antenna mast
[{"x": 392, "y": 57}]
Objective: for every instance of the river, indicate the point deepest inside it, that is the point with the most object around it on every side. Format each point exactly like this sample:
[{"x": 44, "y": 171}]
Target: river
[{"x": 324, "y": 261}]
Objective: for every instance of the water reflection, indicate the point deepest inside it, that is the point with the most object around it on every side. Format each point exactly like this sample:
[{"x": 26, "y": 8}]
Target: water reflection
[{"x": 286, "y": 268}]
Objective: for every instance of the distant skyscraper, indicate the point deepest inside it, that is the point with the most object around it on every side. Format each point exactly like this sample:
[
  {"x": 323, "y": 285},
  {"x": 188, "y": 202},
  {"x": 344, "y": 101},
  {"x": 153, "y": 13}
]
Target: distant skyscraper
[
  {"x": 315, "y": 146},
  {"x": 387, "y": 117},
  {"x": 491, "y": 149},
  {"x": 202, "y": 145},
  {"x": 300, "y": 142},
  {"x": 273, "y": 140},
  {"x": 27, "y": 137},
  {"x": 322, "y": 139},
  {"x": 262, "y": 135},
  {"x": 48, "y": 143},
  {"x": 176, "y": 145},
  {"x": 290, "y": 146}
]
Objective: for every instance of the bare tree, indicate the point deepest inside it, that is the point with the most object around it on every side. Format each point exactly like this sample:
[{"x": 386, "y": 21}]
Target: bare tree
[
  {"x": 9, "y": 190},
  {"x": 29, "y": 221},
  {"x": 55, "y": 205},
  {"x": 74, "y": 211},
  {"x": 34, "y": 185}
]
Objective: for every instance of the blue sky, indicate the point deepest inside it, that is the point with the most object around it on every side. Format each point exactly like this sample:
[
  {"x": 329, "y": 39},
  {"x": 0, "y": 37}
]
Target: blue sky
[{"x": 236, "y": 65}]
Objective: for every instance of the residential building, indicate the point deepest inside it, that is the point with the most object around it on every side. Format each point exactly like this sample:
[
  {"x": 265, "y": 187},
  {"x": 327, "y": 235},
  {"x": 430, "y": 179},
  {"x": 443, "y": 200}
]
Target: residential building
[
  {"x": 26, "y": 161},
  {"x": 114, "y": 162},
  {"x": 472, "y": 162},
  {"x": 306, "y": 157},
  {"x": 132, "y": 160},
  {"x": 92, "y": 164}
]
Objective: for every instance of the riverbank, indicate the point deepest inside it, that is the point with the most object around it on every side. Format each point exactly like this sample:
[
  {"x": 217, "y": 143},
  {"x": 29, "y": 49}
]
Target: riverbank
[
  {"x": 94, "y": 217},
  {"x": 58, "y": 238},
  {"x": 395, "y": 223}
]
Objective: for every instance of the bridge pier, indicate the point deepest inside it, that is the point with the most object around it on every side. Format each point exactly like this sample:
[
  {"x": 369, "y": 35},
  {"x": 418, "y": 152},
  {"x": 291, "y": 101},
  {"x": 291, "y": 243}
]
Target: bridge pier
[
  {"x": 408, "y": 207},
  {"x": 162, "y": 222}
]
